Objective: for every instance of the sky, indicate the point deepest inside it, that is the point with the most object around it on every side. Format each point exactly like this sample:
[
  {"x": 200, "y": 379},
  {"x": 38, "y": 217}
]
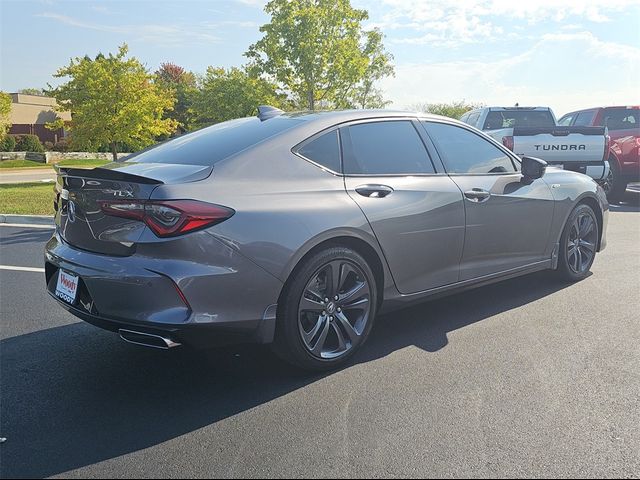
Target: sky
[{"x": 566, "y": 54}]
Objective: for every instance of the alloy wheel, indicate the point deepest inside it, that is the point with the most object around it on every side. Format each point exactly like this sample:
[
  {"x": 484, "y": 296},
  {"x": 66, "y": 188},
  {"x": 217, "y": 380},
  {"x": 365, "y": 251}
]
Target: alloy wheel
[
  {"x": 334, "y": 309},
  {"x": 581, "y": 244}
]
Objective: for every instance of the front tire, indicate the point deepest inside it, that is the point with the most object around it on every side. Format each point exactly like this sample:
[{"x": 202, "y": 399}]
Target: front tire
[
  {"x": 578, "y": 244},
  {"x": 326, "y": 310}
]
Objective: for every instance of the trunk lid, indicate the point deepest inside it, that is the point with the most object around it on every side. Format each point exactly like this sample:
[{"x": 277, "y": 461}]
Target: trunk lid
[{"x": 80, "y": 192}]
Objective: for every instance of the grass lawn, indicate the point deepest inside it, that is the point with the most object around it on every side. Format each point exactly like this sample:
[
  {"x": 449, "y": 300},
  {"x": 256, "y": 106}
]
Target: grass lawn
[
  {"x": 87, "y": 163},
  {"x": 27, "y": 198},
  {"x": 21, "y": 164}
]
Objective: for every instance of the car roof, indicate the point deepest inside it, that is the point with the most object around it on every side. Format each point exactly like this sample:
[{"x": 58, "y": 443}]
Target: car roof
[{"x": 325, "y": 119}]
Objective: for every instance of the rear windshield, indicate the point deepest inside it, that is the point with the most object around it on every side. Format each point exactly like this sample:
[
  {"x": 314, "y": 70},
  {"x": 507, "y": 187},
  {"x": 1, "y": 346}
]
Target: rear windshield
[
  {"x": 518, "y": 118},
  {"x": 212, "y": 144},
  {"x": 621, "y": 118}
]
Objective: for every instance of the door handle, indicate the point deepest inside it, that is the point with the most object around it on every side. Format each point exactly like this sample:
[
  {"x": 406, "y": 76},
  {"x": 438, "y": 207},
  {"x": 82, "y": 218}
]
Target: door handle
[
  {"x": 374, "y": 191},
  {"x": 477, "y": 195}
]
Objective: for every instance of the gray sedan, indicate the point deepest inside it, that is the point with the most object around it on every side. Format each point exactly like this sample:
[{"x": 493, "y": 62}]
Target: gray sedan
[{"x": 298, "y": 229}]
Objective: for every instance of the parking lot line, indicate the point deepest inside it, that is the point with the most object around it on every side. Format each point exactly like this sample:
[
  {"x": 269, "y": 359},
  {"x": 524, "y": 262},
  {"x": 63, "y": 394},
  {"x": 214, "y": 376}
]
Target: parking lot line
[
  {"x": 21, "y": 269},
  {"x": 26, "y": 225}
]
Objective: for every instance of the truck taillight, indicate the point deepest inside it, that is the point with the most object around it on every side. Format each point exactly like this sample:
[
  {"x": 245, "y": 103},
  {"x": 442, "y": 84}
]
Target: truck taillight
[
  {"x": 607, "y": 147},
  {"x": 169, "y": 218},
  {"x": 508, "y": 142}
]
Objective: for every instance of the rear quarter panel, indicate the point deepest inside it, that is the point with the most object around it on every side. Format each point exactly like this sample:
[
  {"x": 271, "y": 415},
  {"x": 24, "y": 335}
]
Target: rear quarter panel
[{"x": 284, "y": 207}]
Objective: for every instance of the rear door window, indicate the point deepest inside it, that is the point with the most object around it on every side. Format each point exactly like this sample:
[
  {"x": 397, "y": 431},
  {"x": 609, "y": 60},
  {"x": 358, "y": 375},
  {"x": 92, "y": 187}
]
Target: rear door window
[
  {"x": 584, "y": 119},
  {"x": 473, "y": 119},
  {"x": 384, "y": 148},
  {"x": 213, "y": 144},
  {"x": 518, "y": 118},
  {"x": 565, "y": 121}
]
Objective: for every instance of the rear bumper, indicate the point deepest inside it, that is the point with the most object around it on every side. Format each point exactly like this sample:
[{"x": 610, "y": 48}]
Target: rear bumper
[
  {"x": 595, "y": 170},
  {"x": 206, "y": 294}
]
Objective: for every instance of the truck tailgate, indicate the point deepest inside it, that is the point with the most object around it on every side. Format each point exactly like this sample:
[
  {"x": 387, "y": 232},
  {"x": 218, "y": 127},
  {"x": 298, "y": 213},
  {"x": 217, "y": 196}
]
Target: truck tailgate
[{"x": 562, "y": 145}]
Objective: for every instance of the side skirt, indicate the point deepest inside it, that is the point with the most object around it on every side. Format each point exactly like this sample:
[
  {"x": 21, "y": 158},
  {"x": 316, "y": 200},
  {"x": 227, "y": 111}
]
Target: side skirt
[{"x": 400, "y": 301}]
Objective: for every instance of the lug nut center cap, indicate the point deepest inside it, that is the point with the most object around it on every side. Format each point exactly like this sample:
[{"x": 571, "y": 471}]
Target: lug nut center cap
[{"x": 331, "y": 308}]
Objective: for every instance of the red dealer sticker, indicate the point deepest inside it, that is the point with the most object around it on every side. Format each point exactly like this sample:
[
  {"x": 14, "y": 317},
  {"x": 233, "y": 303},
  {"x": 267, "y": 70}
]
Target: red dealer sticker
[{"x": 67, "y": 286}]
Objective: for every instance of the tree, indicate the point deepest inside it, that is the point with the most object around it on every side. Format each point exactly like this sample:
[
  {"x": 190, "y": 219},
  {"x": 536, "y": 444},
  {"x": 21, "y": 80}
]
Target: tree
[
  {"x": 364, "y": 94},
  {"x": 317, "y": 50},
  {"x": 233, "y": 93},
  {"x": 452, "y": 109},
  {"x": 5, "y": 111},
  {"x": 183, "y": 83},
  {"x": 113, "y": 100},
  {"x": 32, "y": 91}
]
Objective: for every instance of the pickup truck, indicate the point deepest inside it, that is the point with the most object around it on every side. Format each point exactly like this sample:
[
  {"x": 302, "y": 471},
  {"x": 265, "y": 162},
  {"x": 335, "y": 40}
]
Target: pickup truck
[
  {"x": 623, "y": 125},
  {"x": 533, "y": 132}
]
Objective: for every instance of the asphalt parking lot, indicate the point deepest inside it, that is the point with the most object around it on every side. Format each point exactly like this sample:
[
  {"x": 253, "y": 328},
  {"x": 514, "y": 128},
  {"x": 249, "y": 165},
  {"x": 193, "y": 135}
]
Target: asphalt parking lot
[{"x": 528, "y": 377}]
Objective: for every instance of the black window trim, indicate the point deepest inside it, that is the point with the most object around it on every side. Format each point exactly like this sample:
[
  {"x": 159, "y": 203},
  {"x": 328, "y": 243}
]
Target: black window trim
[{"x": 512, "y": 156}]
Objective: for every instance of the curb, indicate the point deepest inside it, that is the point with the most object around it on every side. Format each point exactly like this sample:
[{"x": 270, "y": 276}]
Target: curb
[{"x": 27, "y": 219}]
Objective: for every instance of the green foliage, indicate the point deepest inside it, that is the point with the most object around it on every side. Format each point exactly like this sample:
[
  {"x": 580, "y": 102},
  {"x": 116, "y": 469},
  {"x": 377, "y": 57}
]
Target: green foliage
[
  {"x": 5, "y": 111},
  {"x": 365, "y": 94},
  {"x": 28, "y": 143},
  {"x": 233, "y": 93},
  {"x": 182, "y": 84},
  {"x": 317, "y": 50},
  {"x": 112, "y": 100},
  {"x": 32, "y": 91},
  {"x": 61, "y": 145},
  {"x": 8, "y": 144},
  {"x": 451, "y": 110}
]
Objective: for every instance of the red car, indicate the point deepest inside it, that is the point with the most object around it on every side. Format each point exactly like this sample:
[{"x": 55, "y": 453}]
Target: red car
[{"x": 623, "y": 124}]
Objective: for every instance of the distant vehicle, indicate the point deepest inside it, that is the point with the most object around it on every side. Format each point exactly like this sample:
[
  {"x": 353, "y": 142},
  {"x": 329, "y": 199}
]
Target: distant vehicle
[
  {"x": 623, "y": 124},
  {"x": 533, "y": 132},
  {"x": 297, "y": 229}
]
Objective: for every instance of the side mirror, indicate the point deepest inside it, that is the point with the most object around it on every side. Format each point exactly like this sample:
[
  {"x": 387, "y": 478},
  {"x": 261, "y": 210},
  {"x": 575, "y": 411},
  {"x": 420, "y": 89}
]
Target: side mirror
[{"x": 533, "y": 168}]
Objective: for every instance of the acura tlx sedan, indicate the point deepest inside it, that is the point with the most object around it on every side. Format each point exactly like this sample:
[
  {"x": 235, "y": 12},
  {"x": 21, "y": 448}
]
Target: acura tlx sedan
[{"x": 298, "y": 229}]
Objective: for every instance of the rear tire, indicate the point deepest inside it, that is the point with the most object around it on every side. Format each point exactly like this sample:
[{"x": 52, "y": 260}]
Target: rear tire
[
  {"x": 578, "y": 244},
  {"x": 614, "y": 186},
  {"x": 316, "y": 331}
]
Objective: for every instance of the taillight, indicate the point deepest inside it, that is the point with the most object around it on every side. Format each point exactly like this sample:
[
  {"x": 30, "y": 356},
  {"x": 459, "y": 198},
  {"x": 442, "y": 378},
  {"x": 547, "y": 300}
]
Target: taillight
[
  {"x": 168, "y": 218},
  {"x": 508, "y": 142},
  {"x": 607, "y": 147}
]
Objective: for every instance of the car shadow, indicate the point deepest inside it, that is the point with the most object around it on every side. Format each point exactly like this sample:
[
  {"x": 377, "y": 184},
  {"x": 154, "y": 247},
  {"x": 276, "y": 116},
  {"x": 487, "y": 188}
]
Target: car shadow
[
  {"x": 75, "y": 395},
  {"x": 629, "y": 203},
  {"x": 39, "y": 236}
]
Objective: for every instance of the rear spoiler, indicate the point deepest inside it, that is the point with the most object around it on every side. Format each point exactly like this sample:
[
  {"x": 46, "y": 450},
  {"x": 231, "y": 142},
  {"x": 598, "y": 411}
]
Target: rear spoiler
[
  {"x": 105, "y": 174},
  {"x": 557, "y": 131}
]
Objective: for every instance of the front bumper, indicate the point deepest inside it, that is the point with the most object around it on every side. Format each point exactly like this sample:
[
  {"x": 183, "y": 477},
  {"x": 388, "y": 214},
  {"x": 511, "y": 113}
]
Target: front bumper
[{"x": 205, "y": 294}]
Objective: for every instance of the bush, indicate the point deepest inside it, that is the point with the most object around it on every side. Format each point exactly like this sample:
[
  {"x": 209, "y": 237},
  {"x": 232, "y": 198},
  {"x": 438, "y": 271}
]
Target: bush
[
  {"x": 48, "y": 146},
  {"x": 28, "y": 143},
  {"x": 61, "y": 146},
  {"x": 7, "y": 144}
]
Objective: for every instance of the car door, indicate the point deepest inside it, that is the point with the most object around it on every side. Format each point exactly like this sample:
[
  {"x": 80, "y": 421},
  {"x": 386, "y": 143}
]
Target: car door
[
  {"x": 416, "y": 212},
  {"x": 508, "y": 221}
]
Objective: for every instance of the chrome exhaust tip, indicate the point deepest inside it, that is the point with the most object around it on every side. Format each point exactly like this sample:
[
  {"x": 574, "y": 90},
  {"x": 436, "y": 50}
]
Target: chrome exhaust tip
[{"x": 147, "y": 339}]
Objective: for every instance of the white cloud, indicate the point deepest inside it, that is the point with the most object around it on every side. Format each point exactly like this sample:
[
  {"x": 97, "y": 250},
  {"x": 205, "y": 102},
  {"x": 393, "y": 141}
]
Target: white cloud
[
  {"x": 466, "y": 21},
  {"x": 600, "y": 73},
  {"x": 164, "y": 35}
]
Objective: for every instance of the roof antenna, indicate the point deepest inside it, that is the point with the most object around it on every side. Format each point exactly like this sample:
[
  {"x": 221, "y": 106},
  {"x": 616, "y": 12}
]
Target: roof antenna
[
  {"x": 517, "y": 104},
  {"x": 265, "y": 112}
]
